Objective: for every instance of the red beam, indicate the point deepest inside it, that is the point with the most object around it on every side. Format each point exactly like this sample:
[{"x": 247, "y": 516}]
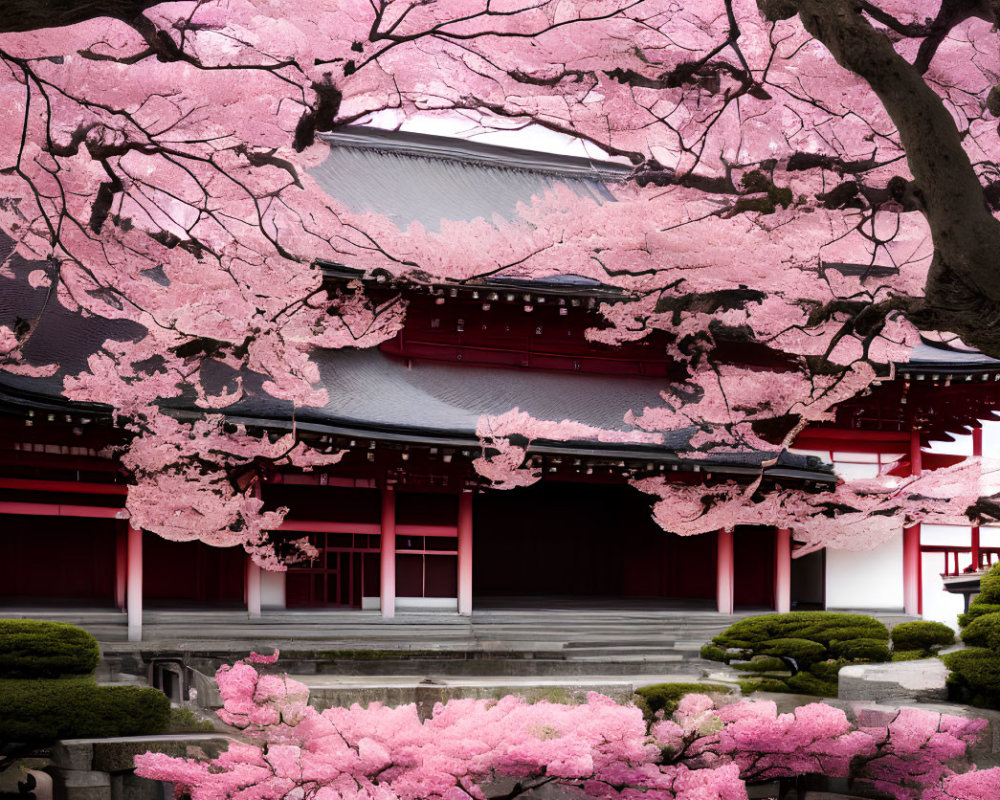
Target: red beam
[
  {"x": 841, "y": 434},
  {"x": 78, "y": 487},
  {"x": 61, "y": 510},
  {"x": 23, "y": 458},
  {"x": 320, "y": 526},
  {"x": 426, "y": 530}
]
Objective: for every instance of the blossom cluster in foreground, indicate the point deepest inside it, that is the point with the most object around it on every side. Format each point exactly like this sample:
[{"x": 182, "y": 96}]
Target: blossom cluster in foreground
[{"x": 599, "y": 748}]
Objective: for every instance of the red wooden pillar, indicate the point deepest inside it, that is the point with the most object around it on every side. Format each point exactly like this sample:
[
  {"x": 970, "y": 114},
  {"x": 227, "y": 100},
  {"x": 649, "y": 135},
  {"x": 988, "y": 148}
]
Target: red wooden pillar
[
  {"x": 725, "y": 574},
  {"x": 134, "y": 584},
  {"x": 783, "y": 570},
  {"x": 911, "y": 542},
  {"x": 121, "y": 566},
  {"x": 977, "y": 450},
  {"x": 388, "y": 555},
  {"x": 465, "y": 553}
]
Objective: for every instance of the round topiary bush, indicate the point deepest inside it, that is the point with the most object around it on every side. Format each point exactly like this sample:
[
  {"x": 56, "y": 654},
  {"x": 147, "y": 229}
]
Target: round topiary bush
[
  {"x": 804, "y": 651},
  {"x": 817, "y": 626},
  {"x": 763, "y": 685},
  {"x": 43, "y": 710},
  {"x": 989, "y": 587},
  {"x": 34, "y": 648},
  {"x": 977, "y": 610},
  {"x": 827, "y": 670},
  {"x": 975, "y": 676},
  {"x": 762, "y": 664},
  {"x": 861, "y": 650},
  {"x": 922, "y": 635},
  {"x": 807, "y": 683},
  {"x": 712, "y": 652},
  {"x": 983, "y": 631},
  {"x": 908, "y": 655}
]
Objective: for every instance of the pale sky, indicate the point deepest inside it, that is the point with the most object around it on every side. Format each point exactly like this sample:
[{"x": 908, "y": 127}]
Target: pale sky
[{"x": 963, "y": 444}]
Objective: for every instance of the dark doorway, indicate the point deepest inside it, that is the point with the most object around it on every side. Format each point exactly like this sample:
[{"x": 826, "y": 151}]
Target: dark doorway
[
  {"x": 583, "y": 540},
  {"x": 191, "y": 573},
  {"x": 753, "y": 564},
  {"x": 58, "y": 559}
]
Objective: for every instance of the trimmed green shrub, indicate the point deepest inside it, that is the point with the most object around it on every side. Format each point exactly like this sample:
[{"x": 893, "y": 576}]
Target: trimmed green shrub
[
  {"x": 817, "y": 626},
  {"x": 977, "y": 610},
  {"x": 975, "y": 671},
  {"x": 820, "y": 642},
  {"x": 983, "y": 631},
  {"x": 804, "y": 651},
  {"x": 975, "y": 676},
  {"x": 34, "y": 648},
  {"x": 922, "y": 635},
  {"x": 183, "y": 720},
  {"x": 41, "y": 710},
  {"x": 828, "y": 670},
  {"x": 762, "y": 664},
  {"x": 861, "y": 650},
  {"x": 667, "y": 696},
  {"x": 711, "y": 652},
  {"x": 908, "y": 655},
  {"x": 763, "y": 685},
  {"x": 807, "y": 683},
  {"x": 989, "y": 588}
]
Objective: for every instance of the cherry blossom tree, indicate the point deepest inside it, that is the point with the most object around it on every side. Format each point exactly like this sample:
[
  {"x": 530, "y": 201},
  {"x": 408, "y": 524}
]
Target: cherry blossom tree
[
  {"x": 813, "y": 180},
  {"x": 596, "y": 749}
]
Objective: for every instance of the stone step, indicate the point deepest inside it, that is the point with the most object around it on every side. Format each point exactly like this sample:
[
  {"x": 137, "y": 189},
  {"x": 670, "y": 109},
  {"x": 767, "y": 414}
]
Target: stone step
[{"x": 328, "y": 691}]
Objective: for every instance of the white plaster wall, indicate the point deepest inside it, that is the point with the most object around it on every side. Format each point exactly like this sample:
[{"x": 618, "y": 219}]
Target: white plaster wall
[
  {"x": 869, "y": 579},
  {"x": 272, "y": 589}
]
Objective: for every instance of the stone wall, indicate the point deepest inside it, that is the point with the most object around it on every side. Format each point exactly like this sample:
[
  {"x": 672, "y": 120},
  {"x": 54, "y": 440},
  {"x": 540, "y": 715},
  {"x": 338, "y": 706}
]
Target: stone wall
[{"x": 102, "y": 769}]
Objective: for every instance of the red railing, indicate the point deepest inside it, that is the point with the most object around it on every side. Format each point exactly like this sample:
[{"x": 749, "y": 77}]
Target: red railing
[{"x": 988, "y": 556}]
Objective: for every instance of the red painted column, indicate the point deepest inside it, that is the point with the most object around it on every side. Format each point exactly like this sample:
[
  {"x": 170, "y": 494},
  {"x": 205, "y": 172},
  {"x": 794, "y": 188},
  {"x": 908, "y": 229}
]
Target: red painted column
[
  {"x": 388, "y": 578},
  {"x": 977, "y": 450},
  {"x": 465, "y": 553},
  {"x": 911, "y": 542},
  {"x": 724, "y": 573},
  {"x": 121, "y": 566},
  {"x": 134, "y": 587},
  {"x": 783, "y": 570}
]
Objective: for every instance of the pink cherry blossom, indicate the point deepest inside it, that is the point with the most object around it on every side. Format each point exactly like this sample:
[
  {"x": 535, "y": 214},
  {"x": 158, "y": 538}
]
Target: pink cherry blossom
[
  {"x": 598, "y": 748},
  {"x": 796, "y": 210}
]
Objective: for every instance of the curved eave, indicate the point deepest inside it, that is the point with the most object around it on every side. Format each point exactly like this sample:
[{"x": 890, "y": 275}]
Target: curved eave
[
  {"x": 940, "y": 362},
  {"x": 542, "y": 287},
  {"x": 398, "y": 436}
]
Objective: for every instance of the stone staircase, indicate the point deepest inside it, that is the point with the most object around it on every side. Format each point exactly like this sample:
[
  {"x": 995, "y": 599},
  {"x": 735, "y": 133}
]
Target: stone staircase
[{"x": 565, "y": 641}]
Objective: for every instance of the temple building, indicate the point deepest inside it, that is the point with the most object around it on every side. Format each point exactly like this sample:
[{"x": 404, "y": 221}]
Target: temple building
[{"x": 403, "y": 522}]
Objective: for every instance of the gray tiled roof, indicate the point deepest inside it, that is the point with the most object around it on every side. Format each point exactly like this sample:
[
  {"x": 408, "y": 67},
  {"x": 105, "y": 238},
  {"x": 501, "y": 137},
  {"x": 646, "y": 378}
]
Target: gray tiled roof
[
  {"x": 369, "y": 392},
  {"x": 397, "y": 176},
  {"x": 927, "y": 356},
  {"x": 410, "y": 178}
]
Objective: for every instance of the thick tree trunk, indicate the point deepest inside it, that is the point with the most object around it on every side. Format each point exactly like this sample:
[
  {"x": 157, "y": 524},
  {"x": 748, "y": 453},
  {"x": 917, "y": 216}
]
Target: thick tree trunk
[
  {"x": 963, "y": 285},
  {"x": 18, "y": 16}
]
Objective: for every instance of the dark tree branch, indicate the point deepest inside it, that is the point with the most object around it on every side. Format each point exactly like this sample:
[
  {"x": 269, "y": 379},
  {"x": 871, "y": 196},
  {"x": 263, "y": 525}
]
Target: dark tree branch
[
  {"x": 18, "y": 16},
  {"x": 963, "y": 290}
]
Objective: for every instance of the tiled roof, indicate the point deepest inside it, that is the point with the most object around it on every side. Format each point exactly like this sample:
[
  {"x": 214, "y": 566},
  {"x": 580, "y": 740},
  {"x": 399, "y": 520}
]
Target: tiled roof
[{"x": 417, "y": 178}]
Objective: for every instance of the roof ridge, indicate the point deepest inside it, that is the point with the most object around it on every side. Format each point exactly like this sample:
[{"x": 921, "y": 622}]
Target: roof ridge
[{"x": 448, "y": 148}]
